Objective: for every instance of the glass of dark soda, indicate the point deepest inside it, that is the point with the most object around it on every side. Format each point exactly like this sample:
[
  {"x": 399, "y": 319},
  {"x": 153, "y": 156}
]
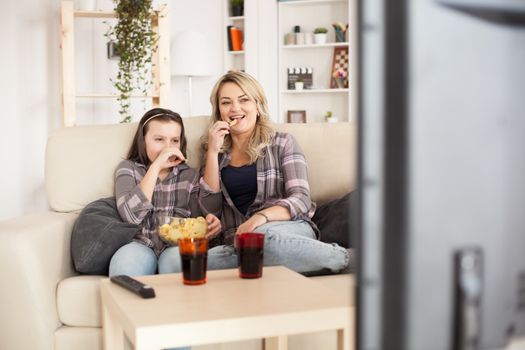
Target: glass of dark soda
[
  {"x": 250, "y": 254},
  {"x": 194, "y": 260}
]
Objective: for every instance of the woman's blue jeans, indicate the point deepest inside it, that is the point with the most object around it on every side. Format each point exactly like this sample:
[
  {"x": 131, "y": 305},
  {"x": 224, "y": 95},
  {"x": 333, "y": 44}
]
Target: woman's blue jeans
[{"x": 289, "y": 243}]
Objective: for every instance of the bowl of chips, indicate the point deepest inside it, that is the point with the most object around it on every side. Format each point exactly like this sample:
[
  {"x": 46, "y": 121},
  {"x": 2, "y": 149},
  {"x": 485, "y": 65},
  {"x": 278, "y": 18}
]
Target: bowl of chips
[{"x": 171, "y": 229}]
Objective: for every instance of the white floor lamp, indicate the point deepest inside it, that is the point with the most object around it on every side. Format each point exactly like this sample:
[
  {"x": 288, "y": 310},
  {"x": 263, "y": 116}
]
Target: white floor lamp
[{"x": 190, "y": 58}]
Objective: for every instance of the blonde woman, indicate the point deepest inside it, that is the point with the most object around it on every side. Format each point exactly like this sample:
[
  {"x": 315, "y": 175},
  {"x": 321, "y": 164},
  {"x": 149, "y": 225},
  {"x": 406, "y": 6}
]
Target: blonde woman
[{"x": 255, "y": 180}]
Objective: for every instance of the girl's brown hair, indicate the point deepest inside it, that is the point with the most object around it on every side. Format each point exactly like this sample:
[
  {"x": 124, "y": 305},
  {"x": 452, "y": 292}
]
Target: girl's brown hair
[{"x": 137, "y": 151}]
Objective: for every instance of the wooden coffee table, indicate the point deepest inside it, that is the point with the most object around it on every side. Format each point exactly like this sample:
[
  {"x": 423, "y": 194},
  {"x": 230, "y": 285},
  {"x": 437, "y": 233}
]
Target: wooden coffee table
[{"x": 224, "y": 309}]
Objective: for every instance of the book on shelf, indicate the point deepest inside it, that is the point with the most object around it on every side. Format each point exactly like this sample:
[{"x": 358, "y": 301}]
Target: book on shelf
[
  {"x": 234, "y": 38},
  {"x": 228, "y": 32}
]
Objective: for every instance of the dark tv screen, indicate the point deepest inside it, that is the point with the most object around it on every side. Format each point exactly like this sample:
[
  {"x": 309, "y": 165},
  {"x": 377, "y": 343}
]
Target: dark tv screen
[{"x": 442, "y": 176}]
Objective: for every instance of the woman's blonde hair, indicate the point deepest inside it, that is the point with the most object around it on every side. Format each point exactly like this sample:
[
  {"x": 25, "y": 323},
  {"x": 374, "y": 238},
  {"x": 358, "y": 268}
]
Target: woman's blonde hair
[{"x": 263, "y": 132}]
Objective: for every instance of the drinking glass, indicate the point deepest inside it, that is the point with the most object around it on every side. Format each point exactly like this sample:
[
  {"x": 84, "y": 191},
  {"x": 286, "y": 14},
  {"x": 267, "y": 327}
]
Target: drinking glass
[
  {"x": 250, "y": 254},
  {"x": 194, "y": 260}
]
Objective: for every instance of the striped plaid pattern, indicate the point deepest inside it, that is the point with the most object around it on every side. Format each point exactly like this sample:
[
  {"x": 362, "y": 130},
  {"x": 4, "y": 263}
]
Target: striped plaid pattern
[
  {"x": 281, "y": 180},
  {"x": 176, "y": 195}
]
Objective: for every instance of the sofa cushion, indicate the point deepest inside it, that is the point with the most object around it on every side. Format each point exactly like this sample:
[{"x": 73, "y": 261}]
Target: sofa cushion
[
  {"x": 331, "y": 153},
  {"x": 98, "y": 233},
  {"x": 78, "y": 338},
  {"x": 333, "y": 220},
  {"x": 78, "y": 301}
]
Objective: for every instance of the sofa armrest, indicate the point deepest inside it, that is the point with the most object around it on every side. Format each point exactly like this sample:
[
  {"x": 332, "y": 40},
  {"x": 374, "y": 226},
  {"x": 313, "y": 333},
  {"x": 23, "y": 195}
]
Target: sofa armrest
[{"x": 34, "y": 257}]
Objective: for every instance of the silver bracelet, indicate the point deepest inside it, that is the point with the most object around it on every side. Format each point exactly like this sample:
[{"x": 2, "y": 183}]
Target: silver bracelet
[{"x": 263, "y": 215}]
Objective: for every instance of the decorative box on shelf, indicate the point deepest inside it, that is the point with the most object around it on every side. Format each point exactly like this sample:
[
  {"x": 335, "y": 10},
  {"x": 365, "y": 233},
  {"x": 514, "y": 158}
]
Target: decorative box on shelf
[{"x": 298, "y": 74}]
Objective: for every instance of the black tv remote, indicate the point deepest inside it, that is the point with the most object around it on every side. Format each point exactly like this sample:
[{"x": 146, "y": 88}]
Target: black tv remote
[{"x": 134, "y": 286}]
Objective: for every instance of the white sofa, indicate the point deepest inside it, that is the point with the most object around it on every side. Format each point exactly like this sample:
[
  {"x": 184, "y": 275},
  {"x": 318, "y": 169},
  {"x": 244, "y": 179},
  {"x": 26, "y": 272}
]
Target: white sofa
[{"x": 47, "y": 305}]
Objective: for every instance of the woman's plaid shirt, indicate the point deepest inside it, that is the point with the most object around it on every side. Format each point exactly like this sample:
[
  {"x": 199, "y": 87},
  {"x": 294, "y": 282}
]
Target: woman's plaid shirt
[{"x": 281, "y": 180}]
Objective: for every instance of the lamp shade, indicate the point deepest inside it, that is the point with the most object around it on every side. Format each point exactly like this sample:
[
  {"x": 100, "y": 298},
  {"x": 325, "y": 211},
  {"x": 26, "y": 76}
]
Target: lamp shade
[{"x": 190, "y": 54}]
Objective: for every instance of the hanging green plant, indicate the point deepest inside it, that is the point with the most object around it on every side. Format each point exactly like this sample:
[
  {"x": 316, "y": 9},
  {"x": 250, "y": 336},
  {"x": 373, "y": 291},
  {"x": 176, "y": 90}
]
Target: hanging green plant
[{"x": 135, "y": 42}]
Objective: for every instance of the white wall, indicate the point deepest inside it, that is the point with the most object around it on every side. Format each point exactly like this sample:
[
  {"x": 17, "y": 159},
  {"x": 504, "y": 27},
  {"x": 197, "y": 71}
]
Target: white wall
[
  {"x": 30, "y": 83},
  {"x": 204, "y": 16},
  {"x": 29, "y": 96}
]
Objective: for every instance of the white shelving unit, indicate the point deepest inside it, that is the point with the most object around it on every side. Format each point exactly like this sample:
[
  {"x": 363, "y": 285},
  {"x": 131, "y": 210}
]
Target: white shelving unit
[
  {"x": 309, "y": 14},
  {"x": 316, "y": 91},
  {"x": 311, "y": 46},
  {"x": 232, "y": 59}
]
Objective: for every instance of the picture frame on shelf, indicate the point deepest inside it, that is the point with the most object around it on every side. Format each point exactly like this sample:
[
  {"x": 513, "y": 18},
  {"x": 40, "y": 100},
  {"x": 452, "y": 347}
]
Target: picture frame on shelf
[
  {"x": 112, "y": 52},
  {"x": 339, "y": 77},
  {"x": 297, "y": 116}
]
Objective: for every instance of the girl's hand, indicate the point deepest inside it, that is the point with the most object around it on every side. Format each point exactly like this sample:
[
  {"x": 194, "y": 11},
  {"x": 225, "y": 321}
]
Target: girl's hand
[
  {"x": 169, "y": 157},
  {"x": 214, "y": 226},
  {"x": 216, "y": 135},
  {"x": 251, "y": 224}
]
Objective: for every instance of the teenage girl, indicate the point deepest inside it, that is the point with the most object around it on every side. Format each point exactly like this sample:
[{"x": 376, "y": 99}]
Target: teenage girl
[{"x": 155, "y": 180}]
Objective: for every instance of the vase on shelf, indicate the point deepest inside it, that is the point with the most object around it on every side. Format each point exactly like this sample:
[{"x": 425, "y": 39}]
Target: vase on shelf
[
  {"x": 289, "y": 39},
  {"x": 299, "y": 38},
  {"x": 237, "y": 10},
  {"x": 320, "y": 38},
  {"x": 308, "y": 38},
  {"x": 330, "y": 118},
  {"x": 340, "y": 36},
  {"x": 340, "y": 83}
]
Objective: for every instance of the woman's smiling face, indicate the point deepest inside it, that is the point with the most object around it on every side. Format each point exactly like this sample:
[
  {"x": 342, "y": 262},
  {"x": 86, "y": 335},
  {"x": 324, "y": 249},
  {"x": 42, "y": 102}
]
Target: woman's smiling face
[{"x": 234, "y": 104}]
